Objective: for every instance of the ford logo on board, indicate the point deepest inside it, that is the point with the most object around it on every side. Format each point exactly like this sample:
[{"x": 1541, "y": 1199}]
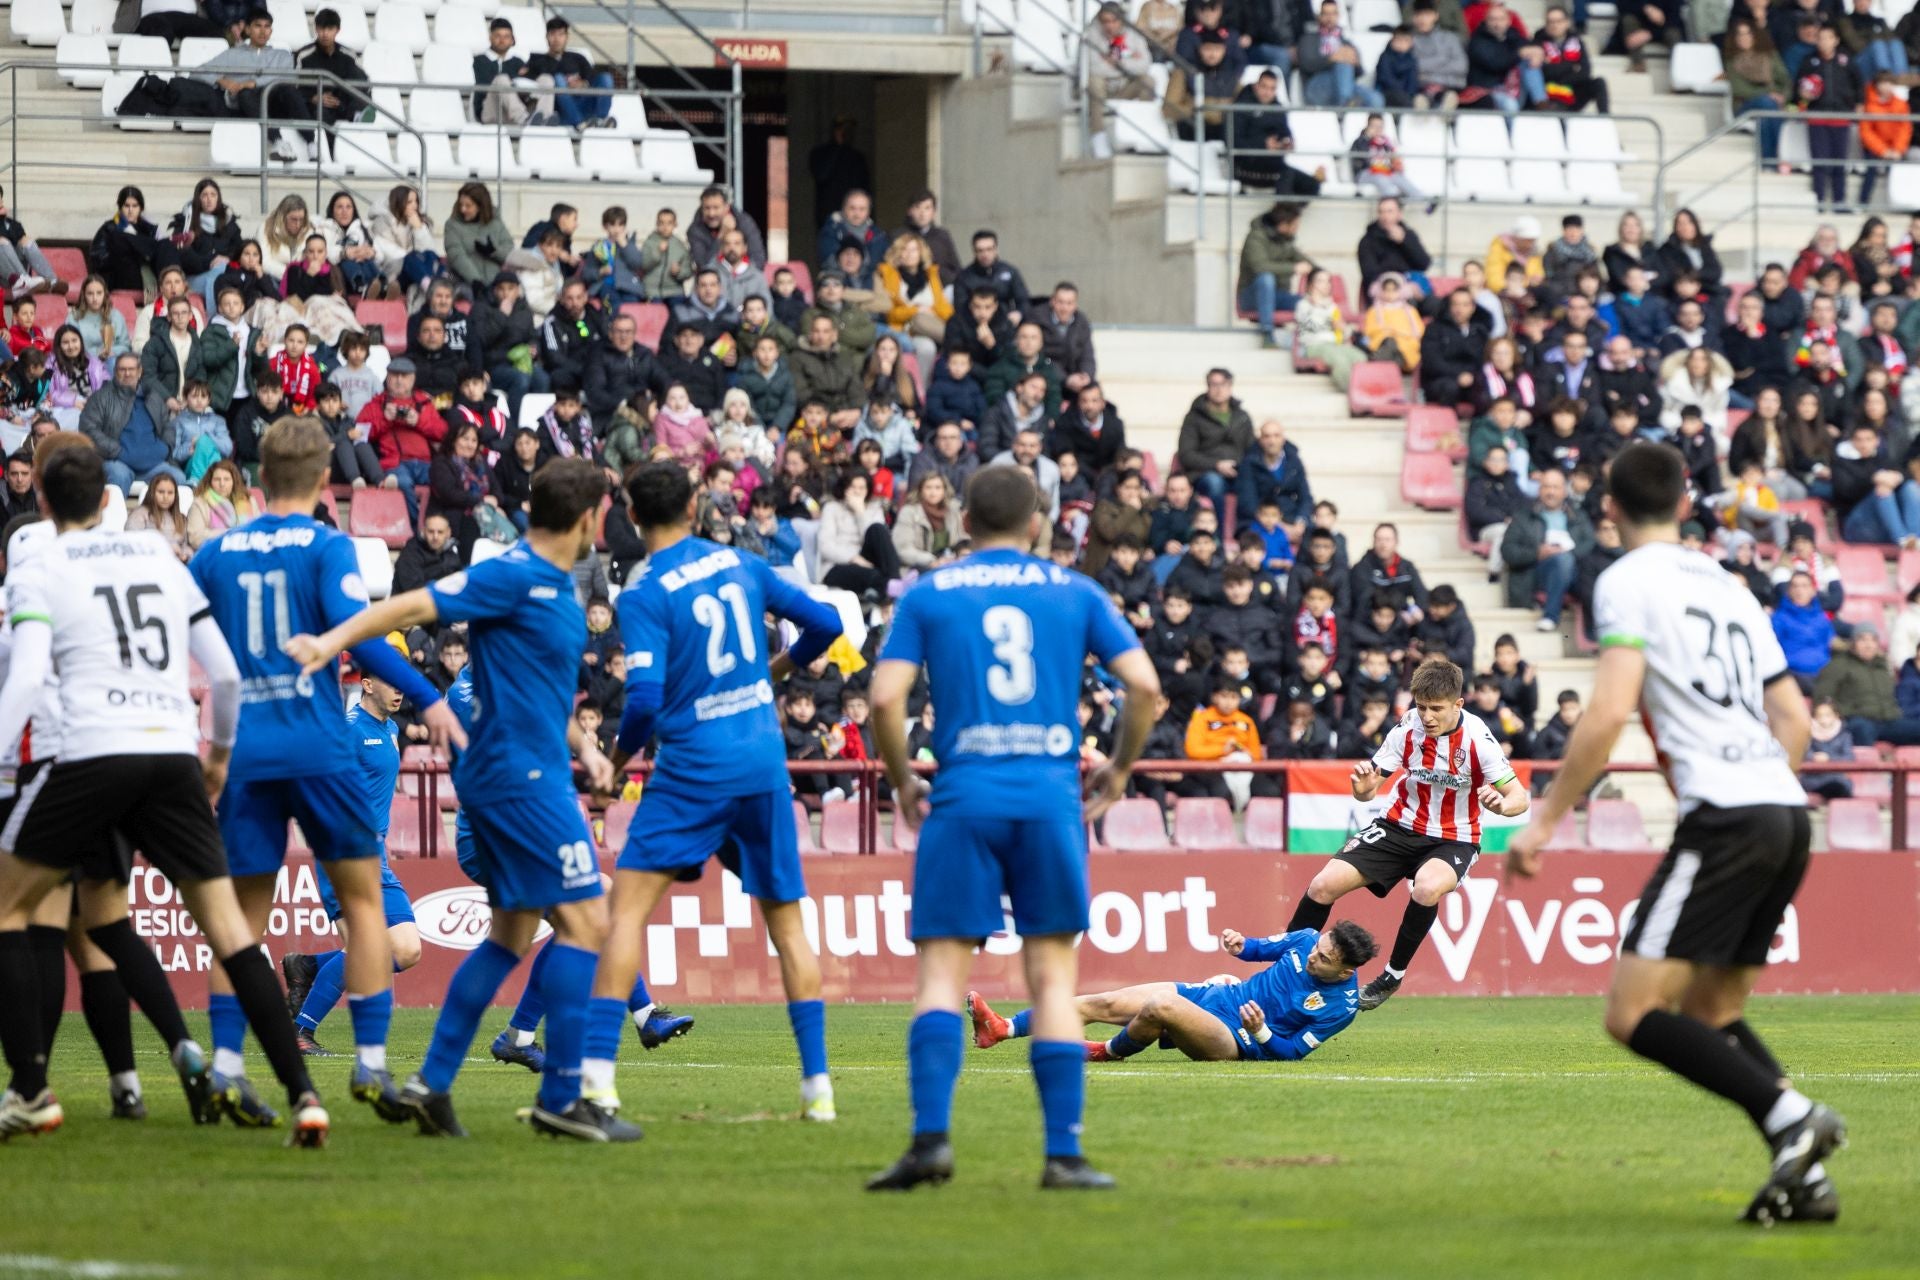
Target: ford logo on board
[{"x": 459, "y": 918}]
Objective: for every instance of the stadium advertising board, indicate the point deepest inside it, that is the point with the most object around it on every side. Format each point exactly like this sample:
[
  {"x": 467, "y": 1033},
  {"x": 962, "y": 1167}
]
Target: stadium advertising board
[{"x": 1854, "y": 928}]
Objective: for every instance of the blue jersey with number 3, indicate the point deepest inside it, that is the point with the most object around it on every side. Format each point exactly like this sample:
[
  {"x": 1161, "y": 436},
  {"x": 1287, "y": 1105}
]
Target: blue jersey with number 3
[
  {"x": 268, "y": 580},
  {"x": 1004, "y": 638},
  {"x": 526, "y": 633},
  {"x": 692, "y": 625}
]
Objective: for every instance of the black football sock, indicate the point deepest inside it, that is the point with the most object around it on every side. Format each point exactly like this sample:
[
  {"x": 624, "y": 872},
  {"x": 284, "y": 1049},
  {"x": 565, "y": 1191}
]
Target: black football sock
[
  {"x": 1743, "y": 1035},
  {"x": 1308, "y": 914},
  {"x": 1696, "y": 1051},
  {"x": 1414, "y": 923},
  {"x": 20, "y": 1015},
  {"x": 142, "y": 978},
  {"x": 109, "y": 1017},
  {"x": 49, "y": 947},
  {"x": 265, "y": 1005}
]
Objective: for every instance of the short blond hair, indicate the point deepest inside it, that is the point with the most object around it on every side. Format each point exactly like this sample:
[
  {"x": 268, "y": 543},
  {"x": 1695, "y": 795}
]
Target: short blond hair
[{"x": 296, "y": 454}]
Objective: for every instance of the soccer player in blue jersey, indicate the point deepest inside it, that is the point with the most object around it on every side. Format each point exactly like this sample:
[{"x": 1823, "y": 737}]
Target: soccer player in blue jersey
[
  {"x": 1004, "y": 639},
  {"x": 700, "y": 685},
  {"x": 519, "y": 1044},
  {"x": 1304, "y": 997},
  {"x": 526, "y": 632},
  {"x": 280, "y": 574},
  {"x": 314, "y": 983}
]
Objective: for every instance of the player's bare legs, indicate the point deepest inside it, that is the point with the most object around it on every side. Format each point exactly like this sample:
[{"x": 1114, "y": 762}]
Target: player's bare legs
[
  {"x": 1114, "y": 1008},
  {"x": 1191, "y": 1030},
  {"x": 1334, "y": 881},
  {"x": 635, "y": 895},
  {"x": 800, "y": 976},
  {"x": 1432, "y": 882}
]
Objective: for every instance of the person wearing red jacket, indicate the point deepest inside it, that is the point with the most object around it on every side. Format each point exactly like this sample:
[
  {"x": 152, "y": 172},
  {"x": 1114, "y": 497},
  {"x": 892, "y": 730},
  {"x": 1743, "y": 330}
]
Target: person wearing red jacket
[{"x": 403, "y": 427}]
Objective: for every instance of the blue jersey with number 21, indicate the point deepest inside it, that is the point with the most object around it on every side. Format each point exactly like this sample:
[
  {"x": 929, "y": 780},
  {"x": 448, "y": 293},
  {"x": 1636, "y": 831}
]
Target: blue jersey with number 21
[{"x": 1004, "y": 637}]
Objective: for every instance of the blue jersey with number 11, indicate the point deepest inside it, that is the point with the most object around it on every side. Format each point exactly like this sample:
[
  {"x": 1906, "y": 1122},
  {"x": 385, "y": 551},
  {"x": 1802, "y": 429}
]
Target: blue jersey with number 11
[
  {"x": 268, "y": 580},
  {"x": 1004, "y": 638}
]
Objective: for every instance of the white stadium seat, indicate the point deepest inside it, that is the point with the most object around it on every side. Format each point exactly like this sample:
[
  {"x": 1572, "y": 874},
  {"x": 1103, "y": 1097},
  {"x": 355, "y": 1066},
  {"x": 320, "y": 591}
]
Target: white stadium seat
[
  {"x": 354, "y": 34},
  {"x": 114, "y": 518},
  {"x": 529, "y": 28},
  {"x": 1598, "y": 182},
  {"x": 390, "y": 64},
  {"x": 1181, "y": 175},
  {"x": 1539, "y": 137},
  {"x": 436, "y": 110},
  {"x": 197, "y": 51},
  {"x": 1429, "y": 173},
  {"x": 94, "y": 18},
  {"x": 1481, "y": 179},
  {"x": 1595, "y": 138},
  {"x": 290, "y": 24},
  {"x": 1903, "y": 186},
  {"x": 439, "y": 162},
  {"x": 461, "y": 26},
  {"x": 668, "y": 155},
  {"x": 533, "y": 406},
  {"x": 402, "y": 26},
  {"x": 362, "y": 149},
  {"x": 1481, "y": 135},
  {"x": 1423, "y": 135},
  {"x": 235, "y": 147},
  {"x": 38, "y": 22},
  {"x": 548, "y": 153},
  {"x": 1695, "y": 68},
  {"x": 1041, "y": 37},
  {"x": 629, "y": 115},
  {"x": 443, "y": 64},
  {"x": 144, "y": 53},
  {"x": 376, "y": 566},
  {"x": 77, "y": 51},
  {"x": 608, "y": 156},
  {"x": 488, "y": 153},
  {"x": 1138, "y": 127},
  {"x": 1541, "y": 181},
  {"x": 1365, "y": 15},
  {"x": 1315, "y": 132}
]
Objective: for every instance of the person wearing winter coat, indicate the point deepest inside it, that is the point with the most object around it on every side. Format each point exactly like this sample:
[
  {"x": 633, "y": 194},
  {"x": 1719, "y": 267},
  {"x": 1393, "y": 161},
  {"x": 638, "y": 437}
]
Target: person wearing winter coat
[
  {"x": 1542, "y": 550},
  {"x": 502, "y": 330},
  {"x": 1805, "y": 632},
  {"x": 1270, "y": 259},
  {"x": 1214, "y": 436},
  {"x": 928, "y": 527}
]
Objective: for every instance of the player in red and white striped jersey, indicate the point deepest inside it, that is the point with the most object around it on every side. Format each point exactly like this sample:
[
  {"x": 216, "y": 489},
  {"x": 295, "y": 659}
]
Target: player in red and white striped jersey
[{"x": 1445, "y": 768}]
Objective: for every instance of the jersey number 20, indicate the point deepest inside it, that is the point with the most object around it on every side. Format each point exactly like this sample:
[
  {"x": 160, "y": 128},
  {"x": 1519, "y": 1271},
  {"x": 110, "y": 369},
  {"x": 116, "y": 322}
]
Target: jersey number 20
[
  {"x": 709, "y": 613},
  {"x": 1010, "y": 680}
]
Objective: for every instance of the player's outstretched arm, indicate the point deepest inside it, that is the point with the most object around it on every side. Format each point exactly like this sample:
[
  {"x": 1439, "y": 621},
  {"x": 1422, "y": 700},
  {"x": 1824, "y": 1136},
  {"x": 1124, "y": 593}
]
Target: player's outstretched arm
[
  {"x": 892, "y": 682},
  {"x": 1108, "y": 783},
  {"x": 1365, "y": 781},
  {"x": 1616, "y": 694},
  {"x": 819, "y": 624},
  {"x": 396, "y": 613}
]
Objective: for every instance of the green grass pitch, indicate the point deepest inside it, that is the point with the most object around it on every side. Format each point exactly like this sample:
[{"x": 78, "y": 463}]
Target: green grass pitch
[{"x": 1436, "y": 1138}]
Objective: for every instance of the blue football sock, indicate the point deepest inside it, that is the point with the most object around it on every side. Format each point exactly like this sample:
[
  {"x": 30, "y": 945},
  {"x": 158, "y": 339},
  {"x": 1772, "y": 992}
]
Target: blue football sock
[
  {"x": 228, "y": 1022},
  {"x": 370, "y": 1014},
  {"x": 567, "y": 986},
  {"x": 532, "y": 1006},
  {"x": 1123, "y": 1045},
  {"x": 1060, "y": 1076},
  {"x": 468, "y": 995},
  {"x": 606, "y": 1019},
  {"x": 640, "y": 997},
  {"x": 935, "y": 1045},
  {"x": 809, "y": 1019},
  {"x": 325, "y": 992},
  {"x": 323, "y": 958},
  {"x": 1021, "y": 1024}
]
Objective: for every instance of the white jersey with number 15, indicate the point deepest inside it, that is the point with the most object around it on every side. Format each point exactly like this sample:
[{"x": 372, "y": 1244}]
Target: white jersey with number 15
[{"x": 1710, "y": 654}]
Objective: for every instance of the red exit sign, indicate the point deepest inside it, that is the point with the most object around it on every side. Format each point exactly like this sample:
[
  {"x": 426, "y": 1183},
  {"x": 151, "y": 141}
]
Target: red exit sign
[{"x": 753, "y": 53}]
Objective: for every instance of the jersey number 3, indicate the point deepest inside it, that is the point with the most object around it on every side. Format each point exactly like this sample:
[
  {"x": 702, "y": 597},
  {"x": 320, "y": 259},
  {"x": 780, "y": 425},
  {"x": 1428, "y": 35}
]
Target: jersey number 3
[
  {"x": 709, "y": 613},
  {"x": 1009, "y": 680}
]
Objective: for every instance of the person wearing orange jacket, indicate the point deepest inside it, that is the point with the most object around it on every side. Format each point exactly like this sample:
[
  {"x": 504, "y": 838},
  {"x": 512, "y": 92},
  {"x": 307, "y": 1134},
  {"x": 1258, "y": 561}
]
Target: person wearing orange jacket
[
  {"x": 1885, "y": 140},
  {"x": 1222, "y": 731}
]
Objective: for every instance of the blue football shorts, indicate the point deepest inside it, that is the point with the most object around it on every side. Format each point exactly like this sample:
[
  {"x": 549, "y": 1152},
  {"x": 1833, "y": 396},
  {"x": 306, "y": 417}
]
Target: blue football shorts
[
  {"x": 966, "y": 864},
  {"x": 393, "y": 894},
  {"x": 675, "y": 832},
  {"x": 533, "y": 851},
  {"x": 331, "y": 809}
]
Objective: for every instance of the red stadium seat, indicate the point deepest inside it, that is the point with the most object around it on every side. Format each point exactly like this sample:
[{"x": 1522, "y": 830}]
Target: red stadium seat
[
  {"x": 382, "y": 514},
  {"x": 1444, "y": 285},
  {"x": 1734, "y": 418},
  {"x": 1426, "y": 480},
  {"x": 1466, "y": 538},
  {"x": 70, "y": 265},
  {"x": 1872, "y": 612},
  {"x": 1205, "y": 823},
  {"x": 840, "y": 826},
  {"x": 1871, "y": 786},
  {"x": 1854, "y": 826},
  {"x": 805, "y": 825},
  {"x": 332, "y": 505},
  {"x": 391, "y": 315},
  {"x": 1434, "y": 429},
  {"x": 50, "y": 311},
  {"x": 1136, "y": 826},
  {"x": 1813, "y": 512},
  {"x": 1615, "y": 825},
  {"x": 403, "y": 827},
  {"x": 802, "y": 276},
  {"x": 259, "y": 497},
  {"x": 1910, "y": 757},
  {"x": 1267, "y": 823},
  {"x": 903, "y": 838},
  {"x": 1736, "y": 290},
  {"x": 1908, "y": 573},
  {"x": 447, "y": 798},
  {"x": 1338, "y": 285},
  {"x": 1566, "y": 832},
  {"x": 127, "y": 303},
  {"x": 1377, "y": 391},
  {"x": 650, "y": 319},
  {"x": 1863, "y": 572},
  {"x": 613, "y": 830}
]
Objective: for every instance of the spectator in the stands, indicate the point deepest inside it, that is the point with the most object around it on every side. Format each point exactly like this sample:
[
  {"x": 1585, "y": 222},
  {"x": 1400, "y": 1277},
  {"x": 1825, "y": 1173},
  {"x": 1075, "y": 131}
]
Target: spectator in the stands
[
  {"x": 1564, "y": 259},
  {"x": 822, "y": 369},
  {"x": 1860, "y": 685},
  {"x": 1804, "y": 630},
  {"x": 500, "y": 324},
  {"x": 717, "y": 215},
  {"x": 404, "y": 429},
  {"x": 1886, "y": 138},
  {"x": 1828, "y": 81},
  {"x": 885, "y": 375},
  {"x": 1090, "y": 430},
  {"x": 206, "y": 236},
  {"x": 1117, "y": 61},
  {"x": 459, "y": 485},
  {"x": 131, "y": 427},
  {"x": 499, "y": 68},
  {"x": 947, "y": 457},
  {"x": 1642, "y": 315},
  {"x": 954, "y": 394},
  {"x": 1696, "y": 377},
  {"x": 1445, "y": 628},
  {"x": 567, "y": 69},
  {"x": 573, "y": 330},
  {"x": 1272, "y": 470},
  {"x": 1757, "y": 80},
  {"x": 1270, "y": 261},
  {"x": 1877, "y": 502},
  {"x": 1689, "y": 250},
  {"x": 1026, "y": 356},
  {"x": 332, "y": 103},
  {"x": 856, "y": 549},
  {"x": 853, "y": 223},
  {"x": 173, "y": 357},
  {"x": 428, "y": 556},
  {"x": 126, "y": 244},
  {"x": 1493, "y": 500},
  {"x": 1197, "y": 572},
  {"x": 1214, "y": 436},
  {"x": 478, "y": 241},
  {"x": 989, "y": 271},
  {"x": 1495, "y": 62},
  {"x": 1509, "y": 732},
  {"x": 220, "y": 502},
  {"x": 1025, "y": 451},
  {"x": 1173, "y": 521},
  {"x": 1562, "y": 61},
  {"x": 1329, "y": 64},
  {"x": 1642, "y": 23},
  {"x": 176, "y": 20},
  {"x": 1442, "y": 59},
  {"x": 1376, "y": 163},
  {"x": 854, "y": 325},
  {"x": 1389, "y": 244},
  {"x": 837, "y": 167},
  {"x": 1023, "y": 406},
  {"x": 1068, "y": 337},
  {"x": 246, "y": 73},
  {"x": 1396, "y": 74},
  {"x": 1452, "y": 350},
  {"x": 691, "y": 366},
  {"x": 928, "y": 528},
  {"x": 1261, "y": 139},
  {"x": 1384, "y": 570},
  {"x": 409, "y": 250},
  {"x": 102, "y": 328},
  {"x": 1689, "y": 330},
  {"x": 922, "y": 213},
  {"x": 619, "y": 268},
  {"x": 917, "y": 295},
  {"x": 1631, "y": 247},
  {"x": 1606, "y": 549},
  {"x": 705, "y": 310},
  {"x": 1542, "y": 549},
  {"x": 1871, "y": 42}
]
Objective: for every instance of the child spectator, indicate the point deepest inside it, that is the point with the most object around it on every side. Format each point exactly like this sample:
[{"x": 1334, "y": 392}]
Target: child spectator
[
  {"x": 1519, "y": 687},
  {"x": 250, "y": 417},
  {"x": 24, "y": 334},
  {"x": 1297, "y": 733},
  {"x": 1315, "y": 623},
  {"x": 1753, "y": 507},
  {"x": 1314, "y": 681},
  {"x": 1240, "y": 621},
  {"x": 1502, "y": 721},
  {"x": 1551, "y": 742},
  {"x": 1367, "y": 732},
  {"x": 789, "y": 304},
  {"x": 513, "y": 476},
  {"x": 615, "y": 266},
  {"x": 475, "y": 404},
  {"x": 1129, "y": 581},
  {"x": 200, "y": 436},
  {"x": 312, "y": 276},
  {"x": 1373, "y": 676},
  {"x": 1397, "y": 74},
  {"x": 955, "y": 394},
  {"x": 602, "y": 639},
  {"x": 299, "y": 372},
  {"x": 682, "y": 427},
  {"x": 160, "y": 511},
  {"x": 1830, "y": 740},
  {"x": 1172, "y": 630},
  {"x": 1267, "y": 591},
  {"x": 1697, "y": 449},
  {"x": 1222, "y": 731},
  {"x": 1445, "y": 628},
  {"x": 354, "y": 460},
  {"x": 566, "y": 430},
  {"x": 1266, "y": 523},
  {"x": 1803, "y": 629},
  {"x": 1198, "y": 572},
  {"x": 1377, "y": 166},
  {"x": 27, "y": 382},
  {"x": 357, "y": 382},
  {"x": 1392, "y": 327}
]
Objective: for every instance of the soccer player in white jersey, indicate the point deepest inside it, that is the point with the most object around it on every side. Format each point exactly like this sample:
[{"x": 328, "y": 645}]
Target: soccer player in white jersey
[
  {"x": 1687, "y": 647},
  {"x": 1445, "y": 769},
  {"x": 117, "y": 617}
]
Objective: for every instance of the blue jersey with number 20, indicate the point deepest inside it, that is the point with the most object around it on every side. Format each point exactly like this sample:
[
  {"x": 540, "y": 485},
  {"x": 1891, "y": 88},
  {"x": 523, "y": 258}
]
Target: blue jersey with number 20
[{"x": 1004, "y": 637}]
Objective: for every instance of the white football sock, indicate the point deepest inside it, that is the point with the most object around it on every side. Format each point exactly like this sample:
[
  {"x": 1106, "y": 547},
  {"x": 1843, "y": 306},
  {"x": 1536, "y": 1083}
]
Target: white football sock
[
  {"x": 229, "y": 1063},
  {"x": 813, "y": 1087},
  {"x": 641, "y": 1014},
  {"x": 372, "y": 1056},
  {"x": 521, "y": 1039},
  {"x": 1791, "y": 1108},
  {"x": 596, "y": 1075},
  {"x": 127, "y": 1080},
  {"x": 1394, "y": 973}
]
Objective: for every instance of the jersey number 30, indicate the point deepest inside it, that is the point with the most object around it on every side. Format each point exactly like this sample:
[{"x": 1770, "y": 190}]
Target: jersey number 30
[
  {"x": 1734, "y": 668},
  {"x": 709, "y": 613},
  {"x": 1010, "y": 680}
]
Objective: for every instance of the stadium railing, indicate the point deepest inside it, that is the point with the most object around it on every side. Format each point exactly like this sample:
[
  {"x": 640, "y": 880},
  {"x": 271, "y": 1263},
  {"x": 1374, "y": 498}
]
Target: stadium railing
[{"x": 864, "y": 774}]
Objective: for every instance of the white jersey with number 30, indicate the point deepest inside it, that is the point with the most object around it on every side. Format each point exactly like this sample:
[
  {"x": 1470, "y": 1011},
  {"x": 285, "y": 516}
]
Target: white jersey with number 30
[
  {"x": 120, "y": 605},
  {"x": 1710, "y": 654}
]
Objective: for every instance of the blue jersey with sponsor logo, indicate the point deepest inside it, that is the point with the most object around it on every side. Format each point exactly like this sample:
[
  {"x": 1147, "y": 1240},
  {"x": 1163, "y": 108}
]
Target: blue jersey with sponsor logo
[
  {"x": 526, "y": 633},
  {"x": 268, "y": 580},
  {"x": 378, "y": 743},
  {"x": 1004, "y": 638},
  {"x": 691, "y": 623},
  {"x": 1301, "y": 1011}
]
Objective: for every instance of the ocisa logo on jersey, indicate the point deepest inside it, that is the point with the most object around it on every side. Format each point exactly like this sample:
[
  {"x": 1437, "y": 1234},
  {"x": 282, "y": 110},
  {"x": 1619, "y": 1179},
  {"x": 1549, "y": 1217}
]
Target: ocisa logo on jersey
[{"x": 459, "y": 918}]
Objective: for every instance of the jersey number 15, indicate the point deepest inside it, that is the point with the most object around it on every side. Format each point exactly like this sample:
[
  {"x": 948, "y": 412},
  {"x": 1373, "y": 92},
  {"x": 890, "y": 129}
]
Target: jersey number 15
[{"x": 157, "y": 653}]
